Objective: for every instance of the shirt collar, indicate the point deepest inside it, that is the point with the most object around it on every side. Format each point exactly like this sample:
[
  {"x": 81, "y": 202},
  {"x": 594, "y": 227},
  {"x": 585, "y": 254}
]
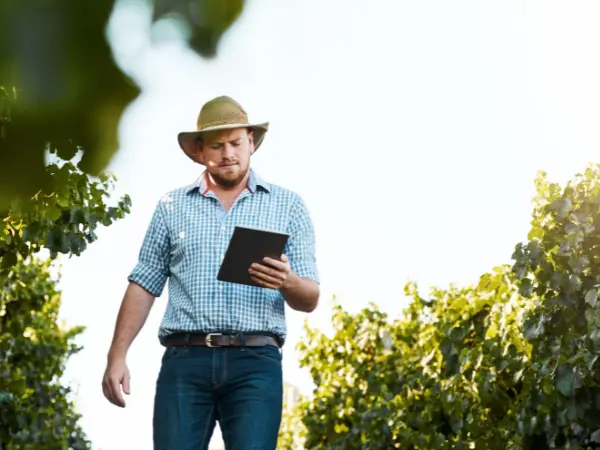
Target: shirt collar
[{"x": 254, "y": 182}]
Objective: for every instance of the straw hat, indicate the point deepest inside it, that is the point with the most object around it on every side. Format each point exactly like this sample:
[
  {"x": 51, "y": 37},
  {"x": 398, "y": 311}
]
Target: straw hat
[{"x": 220, "y": 113}]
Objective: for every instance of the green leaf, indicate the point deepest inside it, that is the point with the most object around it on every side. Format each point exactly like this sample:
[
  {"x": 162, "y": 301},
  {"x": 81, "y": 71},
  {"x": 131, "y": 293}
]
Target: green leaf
[
  {"x": 456, "y": 423},
  {"x": 91, "y": 237},
  {"x": 534, "y": 327},
  {"x": 16, "y": 385},
  {"x": 535, "y": 233},
  {"x": 61, "y": 201},
  {"x": 113, "y": 213},
  {"x": 31, "y": 231},
  {"x": 547, "y": 387},
  {"x": 564, "y": 379},
  {"x": 66, "y": 149},
  {"x": 80, "y": 216},
  {"x": 591, "y": 298},
  {"x": 492, "y": 331},
  {"x": 54, "y": 239},
  {"x": 54, "y": 213},
  {"x": 526, "y": 287},
  {"x": 563, "y": 207},
  {"x": 9, "y": 259},
  {"x": 6, "y": 398}
]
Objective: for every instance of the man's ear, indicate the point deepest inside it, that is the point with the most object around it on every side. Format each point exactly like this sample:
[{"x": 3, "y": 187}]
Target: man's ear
[
  {"x": 251, "y": 139},
  {"x": 199, "y": 153}
]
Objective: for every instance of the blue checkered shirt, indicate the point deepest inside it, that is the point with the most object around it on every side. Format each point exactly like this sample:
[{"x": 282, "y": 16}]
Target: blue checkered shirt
[{"x": 186, "y": 241}]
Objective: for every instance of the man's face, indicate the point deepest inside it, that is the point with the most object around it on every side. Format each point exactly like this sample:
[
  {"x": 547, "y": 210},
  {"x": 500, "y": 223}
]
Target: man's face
[{"x": 226, "y": 155}]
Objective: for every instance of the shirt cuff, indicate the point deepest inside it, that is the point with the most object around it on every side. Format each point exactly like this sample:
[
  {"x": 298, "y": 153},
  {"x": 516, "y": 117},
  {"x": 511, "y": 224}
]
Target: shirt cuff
[
  {"x": 149, "y": 278},
  {"x": 306, "y": 271}
]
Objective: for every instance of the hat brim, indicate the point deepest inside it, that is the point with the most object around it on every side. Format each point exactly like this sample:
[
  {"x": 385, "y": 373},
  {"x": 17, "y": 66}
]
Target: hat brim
[{"x": 187, "y": 139}]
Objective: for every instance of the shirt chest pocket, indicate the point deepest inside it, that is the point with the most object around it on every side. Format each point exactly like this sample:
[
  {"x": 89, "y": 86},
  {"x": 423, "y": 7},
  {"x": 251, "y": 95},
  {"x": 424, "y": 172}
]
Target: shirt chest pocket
[
  {"x": 265, "y": 221},
  {"x": 190, "y": 244}
]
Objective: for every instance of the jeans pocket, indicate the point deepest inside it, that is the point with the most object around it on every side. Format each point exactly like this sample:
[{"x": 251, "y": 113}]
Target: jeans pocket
[
  {"x": 268, "y": 353},
  {"x": 171, "y": 353}
]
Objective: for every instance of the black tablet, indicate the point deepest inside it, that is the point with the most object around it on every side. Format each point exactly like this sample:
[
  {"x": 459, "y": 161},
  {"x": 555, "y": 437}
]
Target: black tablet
[{"x": 248, "y": 246}]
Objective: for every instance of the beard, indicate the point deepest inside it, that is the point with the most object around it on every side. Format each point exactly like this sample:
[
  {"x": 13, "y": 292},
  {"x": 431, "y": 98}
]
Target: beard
[{"x": 229, "y": 178}]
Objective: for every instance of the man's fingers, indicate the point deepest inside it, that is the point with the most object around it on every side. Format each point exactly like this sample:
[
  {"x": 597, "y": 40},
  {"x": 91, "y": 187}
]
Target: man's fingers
[
  {"x": 106, "y": 391},
  {"x": 115, "y": 392},
  {"x": 116, "y": 375},
  {"x": 279, "y": 265},
  {"x": 259, "y": 269},
  {"x": 126, "y": 385},
  {"x": 265, "y": 284},
  {"x": 115, "y": 387},
  {"x": 266, "y": 277}
]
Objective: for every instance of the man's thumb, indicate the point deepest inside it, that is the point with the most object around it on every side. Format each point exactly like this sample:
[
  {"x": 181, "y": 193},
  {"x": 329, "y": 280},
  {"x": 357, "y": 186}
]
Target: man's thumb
[{"x": 126, "y": 387}]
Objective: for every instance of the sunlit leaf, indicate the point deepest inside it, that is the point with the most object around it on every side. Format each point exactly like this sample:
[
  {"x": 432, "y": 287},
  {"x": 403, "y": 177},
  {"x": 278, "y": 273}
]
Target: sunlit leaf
[{"x": 491, "y": 332}]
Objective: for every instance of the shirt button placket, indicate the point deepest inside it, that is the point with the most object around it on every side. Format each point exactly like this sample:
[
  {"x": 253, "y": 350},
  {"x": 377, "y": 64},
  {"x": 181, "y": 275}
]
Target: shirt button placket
[{"x": 219, "y": 254}]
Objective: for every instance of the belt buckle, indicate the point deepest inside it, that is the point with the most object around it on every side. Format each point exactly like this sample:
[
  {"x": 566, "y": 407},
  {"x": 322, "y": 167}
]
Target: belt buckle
[{"x": 209, "y": 339}]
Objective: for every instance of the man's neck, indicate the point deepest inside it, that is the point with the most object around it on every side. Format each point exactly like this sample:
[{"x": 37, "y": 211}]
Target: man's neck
[{"x": 227, "y": 194}]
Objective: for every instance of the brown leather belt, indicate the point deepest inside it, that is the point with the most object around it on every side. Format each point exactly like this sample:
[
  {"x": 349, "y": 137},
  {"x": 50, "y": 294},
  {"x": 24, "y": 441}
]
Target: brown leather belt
[{"x": 219, "y": 340}]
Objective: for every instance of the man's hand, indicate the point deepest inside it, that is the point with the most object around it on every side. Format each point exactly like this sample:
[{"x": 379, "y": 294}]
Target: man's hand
[
  {"x": 116, "y": 374},
  {"x": 273, "y": 273}
]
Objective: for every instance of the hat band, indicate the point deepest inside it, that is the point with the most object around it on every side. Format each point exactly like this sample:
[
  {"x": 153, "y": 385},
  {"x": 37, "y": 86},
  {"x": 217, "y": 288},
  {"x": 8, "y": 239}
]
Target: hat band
[{"x": 232, "y": 118}]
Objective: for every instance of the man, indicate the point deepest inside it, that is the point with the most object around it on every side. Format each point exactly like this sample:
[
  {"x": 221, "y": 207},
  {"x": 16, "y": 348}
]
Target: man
[{"x": 223, "y": 341}]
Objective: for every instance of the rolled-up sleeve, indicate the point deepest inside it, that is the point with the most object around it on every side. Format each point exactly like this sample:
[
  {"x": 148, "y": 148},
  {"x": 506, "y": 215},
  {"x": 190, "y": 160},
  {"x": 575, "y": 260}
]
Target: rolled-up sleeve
[
  {"x": 300, "y": 248},
  {"x": 152, "y": 269}
]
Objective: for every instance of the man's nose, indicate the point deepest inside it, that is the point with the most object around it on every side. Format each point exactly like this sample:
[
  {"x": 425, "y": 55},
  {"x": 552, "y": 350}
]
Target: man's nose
[{"x": 228, "y": 151}]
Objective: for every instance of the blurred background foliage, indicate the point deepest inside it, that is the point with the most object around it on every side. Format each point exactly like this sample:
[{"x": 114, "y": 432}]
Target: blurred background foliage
[{"x": 61, "y": 88}]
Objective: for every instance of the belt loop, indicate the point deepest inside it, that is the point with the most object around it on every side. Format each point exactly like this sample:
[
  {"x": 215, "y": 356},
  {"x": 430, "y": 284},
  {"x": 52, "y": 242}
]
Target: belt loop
[
  {"x": 242, "y": 341},
  {"x": 187, "y": 338}
]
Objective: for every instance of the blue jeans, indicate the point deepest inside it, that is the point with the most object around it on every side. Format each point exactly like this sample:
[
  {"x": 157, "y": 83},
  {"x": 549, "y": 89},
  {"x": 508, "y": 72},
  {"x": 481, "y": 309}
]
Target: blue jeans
[{"x": 240, "y": 387}]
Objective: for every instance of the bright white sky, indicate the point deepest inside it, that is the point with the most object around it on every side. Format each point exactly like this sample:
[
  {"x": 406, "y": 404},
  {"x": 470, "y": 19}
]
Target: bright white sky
[{"x": 413, "y": 130}]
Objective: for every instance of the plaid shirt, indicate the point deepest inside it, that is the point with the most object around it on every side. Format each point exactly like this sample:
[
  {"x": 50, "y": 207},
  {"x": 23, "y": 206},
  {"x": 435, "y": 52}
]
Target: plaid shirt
[{"x": 186, "y": 241}]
